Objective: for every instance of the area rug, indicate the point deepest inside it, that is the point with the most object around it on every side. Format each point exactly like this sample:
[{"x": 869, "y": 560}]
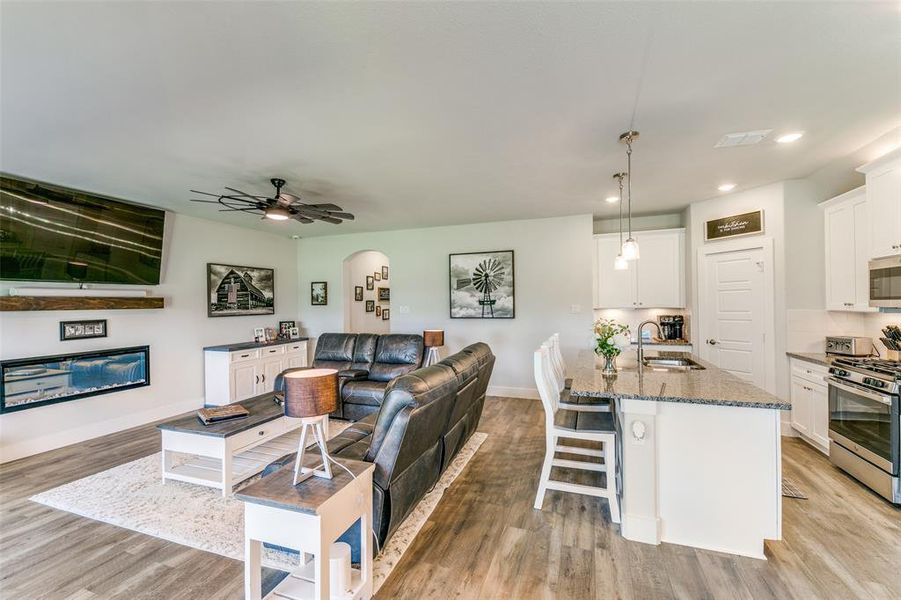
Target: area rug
[
  {"x": 132, "y": 496},
  {"x": 791, "y": 490}
]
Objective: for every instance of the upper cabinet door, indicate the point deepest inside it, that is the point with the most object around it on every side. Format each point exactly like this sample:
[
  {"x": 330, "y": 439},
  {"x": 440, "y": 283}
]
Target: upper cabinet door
[
  {"x": 841, "y": 291},
  {"x": 660, "y": 280},
  {"x": 861, "y": 256},
  {"x": 884, "y": 204},
  {"x": 616, "y": 289}
]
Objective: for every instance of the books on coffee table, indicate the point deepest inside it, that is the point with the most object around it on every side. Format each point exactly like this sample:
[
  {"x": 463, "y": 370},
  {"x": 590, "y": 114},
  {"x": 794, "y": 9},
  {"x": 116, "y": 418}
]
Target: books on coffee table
[{"x": 217, "y": 414}]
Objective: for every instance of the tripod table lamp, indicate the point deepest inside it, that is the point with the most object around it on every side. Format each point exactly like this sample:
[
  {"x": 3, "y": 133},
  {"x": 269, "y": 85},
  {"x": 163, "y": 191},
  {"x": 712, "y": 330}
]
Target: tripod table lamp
[
  {"x": 432, "y": 339},
  {"x": 310, "y": 395}
]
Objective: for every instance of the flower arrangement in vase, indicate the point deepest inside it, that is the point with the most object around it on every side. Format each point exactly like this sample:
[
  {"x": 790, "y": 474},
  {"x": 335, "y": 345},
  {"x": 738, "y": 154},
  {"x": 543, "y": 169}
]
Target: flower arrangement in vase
[{"x": 610, "y": 339}]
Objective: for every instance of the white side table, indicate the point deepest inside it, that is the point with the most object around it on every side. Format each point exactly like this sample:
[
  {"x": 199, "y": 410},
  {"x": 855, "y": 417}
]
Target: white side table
[{"x": 308, "y": 517}]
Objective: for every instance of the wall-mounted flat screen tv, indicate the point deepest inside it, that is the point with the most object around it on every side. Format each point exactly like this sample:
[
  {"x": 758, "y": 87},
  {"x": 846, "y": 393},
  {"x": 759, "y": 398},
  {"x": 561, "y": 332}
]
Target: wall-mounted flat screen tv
[{"x": 52, "y": 233}]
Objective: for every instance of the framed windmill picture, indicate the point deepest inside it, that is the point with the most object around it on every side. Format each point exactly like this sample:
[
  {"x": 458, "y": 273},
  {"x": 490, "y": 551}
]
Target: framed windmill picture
[{"x": 481, "y": 285}]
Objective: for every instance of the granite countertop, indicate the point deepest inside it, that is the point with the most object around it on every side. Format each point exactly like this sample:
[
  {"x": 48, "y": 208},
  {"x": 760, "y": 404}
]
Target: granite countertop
[
  {"x": 658, "y": 342},
  {"x": 262, "y": 409},
  {"x": 711, "y": 386},
  {"x": 251, "y": 345},
  {"x": 814, "y": 357}
]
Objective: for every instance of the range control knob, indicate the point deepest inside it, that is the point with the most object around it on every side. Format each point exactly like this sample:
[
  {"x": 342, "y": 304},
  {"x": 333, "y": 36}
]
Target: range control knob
[{"x": 874, "y": 382}]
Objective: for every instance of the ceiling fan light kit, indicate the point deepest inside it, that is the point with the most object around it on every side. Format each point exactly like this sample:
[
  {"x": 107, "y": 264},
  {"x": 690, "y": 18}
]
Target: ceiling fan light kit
[
  {"x": 630, "y": 246},
  {"x": 280, "y": 207}
]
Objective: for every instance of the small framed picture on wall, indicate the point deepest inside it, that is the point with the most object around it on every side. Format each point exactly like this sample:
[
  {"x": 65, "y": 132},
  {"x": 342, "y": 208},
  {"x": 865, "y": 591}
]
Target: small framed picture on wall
[
  {"x": 319, "y": 293},
  {"x": 384, "y": 273},
  {"x": 377, "y": 276},
  {"x": 370, "y": 282},
  {"x": 82, "y": 330},
  {"x": 358, "y": 293},
  {"x": 386, "y": 314},
  {"x": 384, "y": 294},
  {"x": 370, "y": 306},
  {"x": 378, "y": 310}
]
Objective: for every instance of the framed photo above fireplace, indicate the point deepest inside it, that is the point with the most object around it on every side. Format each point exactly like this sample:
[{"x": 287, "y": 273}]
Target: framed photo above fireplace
[
  {"x": 235, "y": 291},
  {"x": 82, "y": 330},
  {"x": 31, "y": 382}
]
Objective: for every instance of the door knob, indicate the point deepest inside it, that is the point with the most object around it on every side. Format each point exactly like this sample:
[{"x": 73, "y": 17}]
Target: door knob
[{"x": 711, "y": 342}]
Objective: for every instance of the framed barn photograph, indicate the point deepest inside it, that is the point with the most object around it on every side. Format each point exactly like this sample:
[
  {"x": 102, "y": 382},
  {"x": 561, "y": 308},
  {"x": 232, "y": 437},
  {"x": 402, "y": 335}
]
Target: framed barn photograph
[
  {"x": 234, "y": 291},
  {"x": 319, "y": 293},
  {"x": 481, "y": 285},
  {"x": 358, "y": 293}
]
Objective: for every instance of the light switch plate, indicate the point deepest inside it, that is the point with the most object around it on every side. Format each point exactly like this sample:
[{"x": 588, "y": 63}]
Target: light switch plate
[
  {"x": 403, "y": 309},
  {"x": 575, "y": 308}
]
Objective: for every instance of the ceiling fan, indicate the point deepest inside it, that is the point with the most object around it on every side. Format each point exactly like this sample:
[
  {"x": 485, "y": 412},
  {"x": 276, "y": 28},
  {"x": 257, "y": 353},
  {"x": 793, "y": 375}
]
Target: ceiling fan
[{"x": 279, "y": 207}]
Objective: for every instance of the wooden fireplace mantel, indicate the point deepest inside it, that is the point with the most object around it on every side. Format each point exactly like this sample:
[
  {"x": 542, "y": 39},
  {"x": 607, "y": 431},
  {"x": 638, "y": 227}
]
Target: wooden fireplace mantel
[{"x": 25, "y": 303}]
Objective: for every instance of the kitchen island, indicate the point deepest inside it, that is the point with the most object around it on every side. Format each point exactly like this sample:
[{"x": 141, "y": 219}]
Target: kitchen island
[{"x": 700, "y": 453}]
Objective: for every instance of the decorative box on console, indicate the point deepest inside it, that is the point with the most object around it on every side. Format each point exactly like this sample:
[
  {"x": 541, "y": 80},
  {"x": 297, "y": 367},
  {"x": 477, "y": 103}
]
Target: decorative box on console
[{"x": 31, "y": 382}]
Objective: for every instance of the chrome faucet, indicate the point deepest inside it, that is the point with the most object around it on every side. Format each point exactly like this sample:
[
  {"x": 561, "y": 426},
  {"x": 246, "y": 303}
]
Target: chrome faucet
[{"x": 640, "y": 343}]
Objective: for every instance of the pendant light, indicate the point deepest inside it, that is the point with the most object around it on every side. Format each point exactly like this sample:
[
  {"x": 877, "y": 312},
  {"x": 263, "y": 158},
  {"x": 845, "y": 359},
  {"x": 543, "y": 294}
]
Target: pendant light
[
  {"x": 620, "y": 263},
  {"x": 630, "y": 246}
]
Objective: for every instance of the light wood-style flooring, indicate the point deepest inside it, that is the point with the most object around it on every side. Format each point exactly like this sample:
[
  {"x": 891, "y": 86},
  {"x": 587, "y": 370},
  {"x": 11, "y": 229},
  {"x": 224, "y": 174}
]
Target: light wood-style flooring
[{"x": 483, "y": 540}]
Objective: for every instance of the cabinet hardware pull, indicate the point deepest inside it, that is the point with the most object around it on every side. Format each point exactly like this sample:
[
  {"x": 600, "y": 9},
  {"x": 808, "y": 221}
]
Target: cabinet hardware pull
[
  {"x": 264, "y": 377},
  {"x": 244, "y": 355},
  {"x": 258, "y": 379},
  {"x": 262, "y": 433}
]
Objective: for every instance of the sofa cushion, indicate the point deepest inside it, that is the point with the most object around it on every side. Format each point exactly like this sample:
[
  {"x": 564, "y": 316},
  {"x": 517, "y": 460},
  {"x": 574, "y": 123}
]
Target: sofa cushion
[
  {"x": 364, "y": 350},
  {"x": 334, "y": 348},
  {"x": 396, "y": 355},
  {"x": 363, "y": 391}
]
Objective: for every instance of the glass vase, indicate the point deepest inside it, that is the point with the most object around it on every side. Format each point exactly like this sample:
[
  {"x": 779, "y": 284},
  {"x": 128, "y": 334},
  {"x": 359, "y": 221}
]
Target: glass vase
[{"x": 609, "y": 365}]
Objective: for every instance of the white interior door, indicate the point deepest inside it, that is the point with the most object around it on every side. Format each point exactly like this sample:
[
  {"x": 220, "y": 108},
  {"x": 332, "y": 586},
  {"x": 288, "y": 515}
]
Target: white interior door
[{"x": 732, "y": 303}]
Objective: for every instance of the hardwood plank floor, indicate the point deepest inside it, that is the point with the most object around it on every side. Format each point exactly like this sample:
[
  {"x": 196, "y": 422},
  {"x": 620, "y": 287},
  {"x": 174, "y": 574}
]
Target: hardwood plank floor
[{"x": 484, "y": 540}]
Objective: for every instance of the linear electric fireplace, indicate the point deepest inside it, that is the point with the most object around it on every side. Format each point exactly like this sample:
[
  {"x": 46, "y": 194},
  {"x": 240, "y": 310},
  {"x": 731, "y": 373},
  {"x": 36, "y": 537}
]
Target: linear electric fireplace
[{"x": 31, "y": 382}]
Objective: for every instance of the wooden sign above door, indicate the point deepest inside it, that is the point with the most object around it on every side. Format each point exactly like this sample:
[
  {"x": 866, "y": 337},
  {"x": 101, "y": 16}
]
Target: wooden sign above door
[{"x": 744, "y": 224}]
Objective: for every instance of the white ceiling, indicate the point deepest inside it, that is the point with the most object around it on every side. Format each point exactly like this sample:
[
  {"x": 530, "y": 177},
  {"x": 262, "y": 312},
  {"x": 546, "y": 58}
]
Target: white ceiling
[{"x": 412, "y": 115}]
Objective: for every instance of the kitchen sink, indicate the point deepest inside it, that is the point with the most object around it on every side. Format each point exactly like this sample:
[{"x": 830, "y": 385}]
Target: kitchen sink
[{"x": 672, "y": 363}]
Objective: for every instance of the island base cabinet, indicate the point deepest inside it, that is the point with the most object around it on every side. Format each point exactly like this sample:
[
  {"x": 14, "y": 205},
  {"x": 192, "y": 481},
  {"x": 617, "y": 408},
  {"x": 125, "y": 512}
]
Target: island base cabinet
[{"x": 706, "y": 476}]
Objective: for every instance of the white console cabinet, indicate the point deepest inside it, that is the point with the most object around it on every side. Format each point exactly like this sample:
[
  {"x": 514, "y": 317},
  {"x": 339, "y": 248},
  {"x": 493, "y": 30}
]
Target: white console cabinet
[{"x": 237, "y": 374}]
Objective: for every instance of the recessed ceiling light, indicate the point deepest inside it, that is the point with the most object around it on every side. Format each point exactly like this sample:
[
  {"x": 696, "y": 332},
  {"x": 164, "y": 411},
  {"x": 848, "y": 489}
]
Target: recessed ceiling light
[
  {"x": 611, "y": 199},
  {"x": 726, "y": 187},
  {"x": 788, "y": 138}
]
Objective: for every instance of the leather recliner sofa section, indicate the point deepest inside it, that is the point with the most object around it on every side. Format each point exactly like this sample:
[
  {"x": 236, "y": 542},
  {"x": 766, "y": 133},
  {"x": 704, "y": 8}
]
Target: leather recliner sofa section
[
  {"x": 426, "y": 418},
  {"x": 366, "y": 363}
]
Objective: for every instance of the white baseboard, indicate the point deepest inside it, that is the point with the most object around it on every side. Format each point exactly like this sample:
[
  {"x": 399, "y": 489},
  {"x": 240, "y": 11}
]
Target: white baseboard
[
  {"x": 642, "y": 529},
  {"x": 788, "y": 430},
  {"x": 80, "y": 434},
  {"x": 513, "y": 392}
]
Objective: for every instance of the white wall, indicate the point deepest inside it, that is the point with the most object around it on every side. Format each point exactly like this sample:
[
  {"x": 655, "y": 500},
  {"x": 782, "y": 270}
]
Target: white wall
[
  {"x": 356, "y": 268},
  {"x": 176, "y": 335},
  {"x": 553, "y": 272},
  {"x": 642, "y": 223}
]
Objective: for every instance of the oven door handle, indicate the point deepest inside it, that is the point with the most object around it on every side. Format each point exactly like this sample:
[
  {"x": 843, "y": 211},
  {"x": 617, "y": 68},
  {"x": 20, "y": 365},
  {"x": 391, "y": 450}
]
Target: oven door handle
[{"x": 887, "y": 400}]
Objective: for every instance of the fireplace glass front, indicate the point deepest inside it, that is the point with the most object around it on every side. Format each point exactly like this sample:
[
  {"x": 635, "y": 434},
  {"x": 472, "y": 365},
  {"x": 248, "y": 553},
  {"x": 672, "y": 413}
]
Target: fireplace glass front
[{"x": 31, "y": 382}]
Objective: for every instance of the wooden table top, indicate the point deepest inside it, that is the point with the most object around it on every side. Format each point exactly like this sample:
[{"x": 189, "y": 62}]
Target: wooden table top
[
  {"x": 277, "y": 490},
  {"x": 262, "y": 409}
]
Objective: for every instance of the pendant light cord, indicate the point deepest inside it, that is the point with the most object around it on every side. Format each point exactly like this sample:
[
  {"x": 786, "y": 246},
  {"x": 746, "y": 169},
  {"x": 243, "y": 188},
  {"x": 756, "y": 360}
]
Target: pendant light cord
[
  {"x": 629, "y": 175},
  {"x": 619, "y": 177}
]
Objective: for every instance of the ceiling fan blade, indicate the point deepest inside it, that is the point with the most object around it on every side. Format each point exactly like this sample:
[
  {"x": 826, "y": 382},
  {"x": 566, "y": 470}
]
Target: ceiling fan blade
[
  {"x": 240, "y": 193},
  {"x": 204, "y": 193},
  {"x": 325, "y": 206},
  {"x": 248, "y": 209},
  {"x": 289, "y": 197},
  {"x": 342, "y": 215},
  {"x": 330, "y": 220},
  {"x": 302, "y": 219},
  {"x": 204, "y": 201}
]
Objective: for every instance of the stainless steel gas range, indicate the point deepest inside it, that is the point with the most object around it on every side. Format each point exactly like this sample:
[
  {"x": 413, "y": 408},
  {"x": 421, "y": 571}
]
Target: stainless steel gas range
[{"x": 864, "y": 422}]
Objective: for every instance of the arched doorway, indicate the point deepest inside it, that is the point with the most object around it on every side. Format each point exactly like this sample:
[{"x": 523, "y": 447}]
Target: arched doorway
[{"x": 357, "y": 268}]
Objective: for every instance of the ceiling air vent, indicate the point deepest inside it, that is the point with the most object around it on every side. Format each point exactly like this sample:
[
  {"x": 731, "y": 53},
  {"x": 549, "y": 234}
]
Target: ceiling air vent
[{"x": 743, "y": 138}]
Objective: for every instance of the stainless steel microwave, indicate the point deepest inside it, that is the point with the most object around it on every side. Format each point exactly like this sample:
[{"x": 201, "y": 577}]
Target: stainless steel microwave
[{"x": 885, "y": 282}]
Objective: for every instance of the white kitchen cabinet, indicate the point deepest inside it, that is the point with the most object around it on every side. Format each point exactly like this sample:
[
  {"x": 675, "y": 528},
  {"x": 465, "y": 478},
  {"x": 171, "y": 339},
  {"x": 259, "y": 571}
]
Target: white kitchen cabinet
[
  {"x": 656, "y": 280},
  {"x": 847, "y": 251},
  {"x": 884, "y": 204},
  {"x": 233, "y": 375},
  {"x": 810, "y": 403}
]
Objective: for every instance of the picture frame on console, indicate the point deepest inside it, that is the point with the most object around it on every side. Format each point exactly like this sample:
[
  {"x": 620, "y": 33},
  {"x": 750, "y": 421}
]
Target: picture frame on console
[{"x": 238, "y": 291}]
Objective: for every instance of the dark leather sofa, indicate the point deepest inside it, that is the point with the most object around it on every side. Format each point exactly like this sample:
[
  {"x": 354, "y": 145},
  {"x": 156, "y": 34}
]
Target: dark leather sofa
[
  {"x": 366, "y": 363},
  {"x": 426, "y": 418}
]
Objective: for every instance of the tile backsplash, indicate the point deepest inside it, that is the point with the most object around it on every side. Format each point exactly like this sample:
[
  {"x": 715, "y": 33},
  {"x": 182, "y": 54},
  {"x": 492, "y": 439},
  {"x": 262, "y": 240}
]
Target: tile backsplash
[
  {"x": 806, "y": 329},
  {"x": 633, "y": 318}
]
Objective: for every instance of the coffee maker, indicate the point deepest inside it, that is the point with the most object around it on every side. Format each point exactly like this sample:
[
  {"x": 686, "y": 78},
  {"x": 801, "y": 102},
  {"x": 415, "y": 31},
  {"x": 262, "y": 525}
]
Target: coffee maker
[{"x": 671, "y": 326}]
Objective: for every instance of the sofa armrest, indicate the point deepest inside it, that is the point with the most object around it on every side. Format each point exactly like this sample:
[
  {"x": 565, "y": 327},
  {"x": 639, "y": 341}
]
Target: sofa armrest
[{"x": 353, "y": 374}]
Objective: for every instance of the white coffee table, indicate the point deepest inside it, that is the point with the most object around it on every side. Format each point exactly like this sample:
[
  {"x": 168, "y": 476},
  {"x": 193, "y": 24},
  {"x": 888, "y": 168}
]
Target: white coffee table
[{"x": 224, "y": 454}]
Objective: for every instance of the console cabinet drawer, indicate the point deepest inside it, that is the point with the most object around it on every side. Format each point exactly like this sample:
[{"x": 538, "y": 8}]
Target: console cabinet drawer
[{"x": 245, "y": 355}]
